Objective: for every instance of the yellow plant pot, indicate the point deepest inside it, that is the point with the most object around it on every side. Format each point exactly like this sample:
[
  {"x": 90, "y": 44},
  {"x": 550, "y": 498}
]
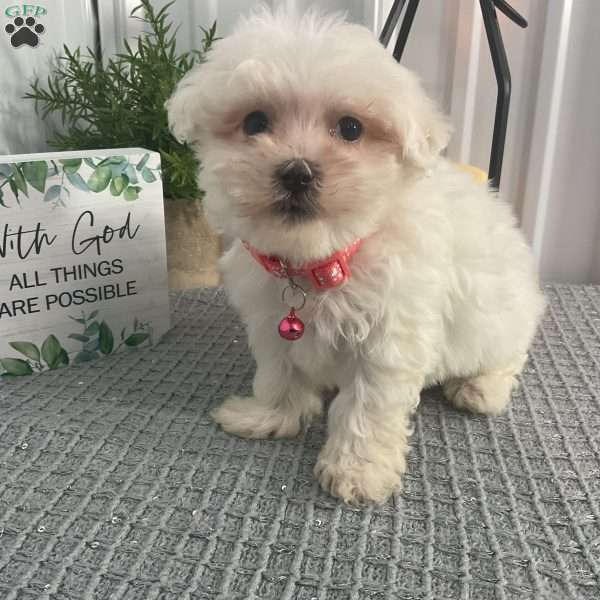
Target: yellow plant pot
[{"x": 192, "y": 248}]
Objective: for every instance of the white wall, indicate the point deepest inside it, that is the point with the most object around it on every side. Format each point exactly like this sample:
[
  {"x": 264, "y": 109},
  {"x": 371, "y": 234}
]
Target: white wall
[
  {"x": 562, "y": 202},
  {"x": 20, "y": 128},
  {"x": 192, "y": 14}
]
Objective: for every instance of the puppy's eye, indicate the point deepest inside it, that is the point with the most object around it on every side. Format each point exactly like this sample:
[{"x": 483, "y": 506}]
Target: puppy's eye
[
  {"x": 256, "y": 122},
  {"x": 349, "y": 129}
]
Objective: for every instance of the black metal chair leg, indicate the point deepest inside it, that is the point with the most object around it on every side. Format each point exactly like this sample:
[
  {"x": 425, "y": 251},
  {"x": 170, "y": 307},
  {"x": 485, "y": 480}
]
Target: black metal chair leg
[
  {"x": 391, "y": 22},
  {"x": 407, "y": 22},
  {"x": 502, "y": 72},
  {"x": 499, "y": 60}
]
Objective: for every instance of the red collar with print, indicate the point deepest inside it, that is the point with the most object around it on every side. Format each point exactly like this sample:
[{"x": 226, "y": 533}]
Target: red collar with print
[{"x": 326, "y": 273}]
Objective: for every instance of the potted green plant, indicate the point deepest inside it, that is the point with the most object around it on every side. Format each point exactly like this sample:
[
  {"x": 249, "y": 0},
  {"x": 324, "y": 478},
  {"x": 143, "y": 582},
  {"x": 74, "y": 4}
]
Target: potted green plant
[{"x": 120, "y": 103}]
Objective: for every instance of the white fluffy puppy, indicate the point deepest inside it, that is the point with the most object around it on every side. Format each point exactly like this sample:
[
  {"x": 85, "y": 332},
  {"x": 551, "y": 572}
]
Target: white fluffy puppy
[{"x": 314, "y": 140}]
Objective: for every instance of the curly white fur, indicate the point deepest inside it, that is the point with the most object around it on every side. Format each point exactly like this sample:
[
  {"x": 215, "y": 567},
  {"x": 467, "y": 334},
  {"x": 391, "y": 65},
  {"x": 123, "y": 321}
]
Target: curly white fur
[{"x": 443, "y": 288}]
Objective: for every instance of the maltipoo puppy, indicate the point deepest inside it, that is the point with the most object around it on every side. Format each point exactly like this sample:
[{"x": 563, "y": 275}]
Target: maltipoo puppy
[{"x": 364, "y": 261}]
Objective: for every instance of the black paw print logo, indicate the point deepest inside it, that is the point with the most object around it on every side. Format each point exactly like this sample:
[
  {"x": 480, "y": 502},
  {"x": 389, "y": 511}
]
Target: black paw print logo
[{"x": 24, "y": 31}]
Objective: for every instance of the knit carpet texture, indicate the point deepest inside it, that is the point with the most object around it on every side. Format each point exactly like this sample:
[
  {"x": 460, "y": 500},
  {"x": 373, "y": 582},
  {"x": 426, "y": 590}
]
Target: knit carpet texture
[{"x": 116, "y": 484}]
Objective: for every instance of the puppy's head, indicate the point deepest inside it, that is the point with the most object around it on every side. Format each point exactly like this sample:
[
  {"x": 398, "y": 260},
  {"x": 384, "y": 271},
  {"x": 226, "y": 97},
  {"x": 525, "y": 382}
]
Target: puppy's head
[{"x": 306, "y": 128}]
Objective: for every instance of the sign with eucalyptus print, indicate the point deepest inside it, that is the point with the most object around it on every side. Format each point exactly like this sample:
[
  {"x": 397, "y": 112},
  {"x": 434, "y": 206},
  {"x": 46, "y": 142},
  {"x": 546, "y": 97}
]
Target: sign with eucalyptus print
[{"x": 83, "y": 270}]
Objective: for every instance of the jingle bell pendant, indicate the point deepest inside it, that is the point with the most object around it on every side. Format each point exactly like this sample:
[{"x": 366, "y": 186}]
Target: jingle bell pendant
[{"x": 291, "y": 328}]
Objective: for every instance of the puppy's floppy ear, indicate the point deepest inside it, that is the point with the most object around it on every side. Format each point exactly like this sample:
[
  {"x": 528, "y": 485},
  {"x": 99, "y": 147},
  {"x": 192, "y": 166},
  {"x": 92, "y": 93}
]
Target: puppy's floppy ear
[
  {"x": 420, "y": 128},
  {"x": 425, "y": 134},
  {"x": 184, "y": 108}
]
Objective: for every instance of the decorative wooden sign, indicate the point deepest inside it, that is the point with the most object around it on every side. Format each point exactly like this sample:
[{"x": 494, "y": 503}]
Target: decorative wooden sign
[{"x": 83, "y": 270}]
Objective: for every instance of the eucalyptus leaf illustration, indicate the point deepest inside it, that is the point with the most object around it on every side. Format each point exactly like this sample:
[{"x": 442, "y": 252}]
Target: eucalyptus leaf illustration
[
  {"x": 51, "y": 351},
  {"x": 52, "y": 355},
  {"x": 132, "y": 192},
  {"x": 27, "y": 349},
  {"x": 117, "y": 160},
  {"x": 92, "y": 328},
  {"x": 5, "y": 170},
  {"x": 16, "y": 366},
  {"x": 63, "y": 358},
  {"x": 18, "y": 179},
  {"x": 92, "y": 345},
  {"x": 143, "y": 162},
  {"x": 35, "y": 174},
  {"x": 77, "y": 180},
  {"x": 90, "y": 163},
  {"x": 84, "y": 356},
  {"x": 80, "y": 338},
  {"x": 106, "y": 338},
  {"x": 131, "y": 174},
  {"x": 14, "y": 189},
  {"x": 96, "y": 339},
  {"x": 118, "y": 169},
  {"x": 100, "y": 178},
  {"x": 147, "y": 175},
  {"x": 71, "y": 165},
  {"x": 52, "y": 193},
  {"x": 118, "y": 184},
  {"x": 135, "y": 339},
  {"x": 2, "y": 199}
]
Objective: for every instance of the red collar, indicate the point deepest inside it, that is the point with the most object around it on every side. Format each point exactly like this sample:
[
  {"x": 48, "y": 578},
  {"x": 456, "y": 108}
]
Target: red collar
[{"x": 323, "y": 274}]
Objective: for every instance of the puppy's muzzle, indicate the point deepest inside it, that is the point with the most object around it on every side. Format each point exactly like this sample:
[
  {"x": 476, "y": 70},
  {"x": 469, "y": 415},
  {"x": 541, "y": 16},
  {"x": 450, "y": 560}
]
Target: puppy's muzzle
[{"x": 297, "y": 181}]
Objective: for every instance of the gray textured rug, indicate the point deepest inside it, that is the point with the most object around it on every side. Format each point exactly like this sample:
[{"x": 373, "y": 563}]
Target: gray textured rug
[{"x": 114, "y": 482}]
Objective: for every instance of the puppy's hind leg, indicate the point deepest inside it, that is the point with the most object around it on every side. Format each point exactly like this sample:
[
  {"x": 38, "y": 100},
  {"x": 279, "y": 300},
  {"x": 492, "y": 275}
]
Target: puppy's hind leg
[{"x": 487, "y": 393}]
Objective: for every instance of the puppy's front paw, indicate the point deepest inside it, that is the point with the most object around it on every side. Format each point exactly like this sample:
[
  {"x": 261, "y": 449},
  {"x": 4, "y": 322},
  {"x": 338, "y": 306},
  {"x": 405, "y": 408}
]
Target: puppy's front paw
[
  {"x": 356, "y": 480},
  {"x": 251, "y": 418}
]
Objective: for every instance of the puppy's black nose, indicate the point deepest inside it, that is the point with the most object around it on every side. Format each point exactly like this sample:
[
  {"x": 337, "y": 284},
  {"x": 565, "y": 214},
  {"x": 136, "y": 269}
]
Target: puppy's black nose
[{"x": 296, "y": 175}]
